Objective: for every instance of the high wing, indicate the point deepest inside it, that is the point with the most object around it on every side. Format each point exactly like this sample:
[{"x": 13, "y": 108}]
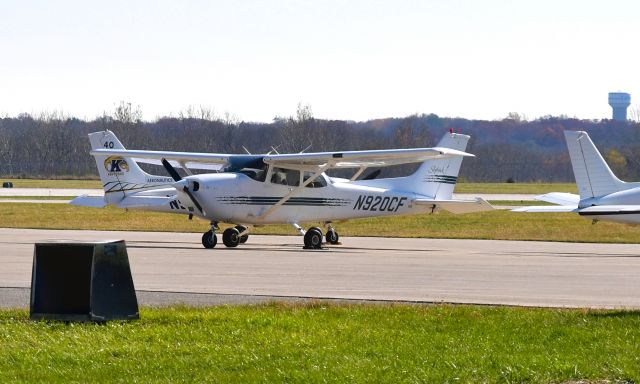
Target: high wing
[
  {"x": 358, "y": 159},
  {"x": 187, "y": 164},
  {"x": 306, "y": 161},
  {"x": 458, "y": 206},
  {"x": 175, "y": 158}
]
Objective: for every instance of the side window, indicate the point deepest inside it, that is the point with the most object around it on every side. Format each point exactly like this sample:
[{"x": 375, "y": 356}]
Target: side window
[
  {"x": 283, "y": 176},
  {"x": 319, "y": 182},
  {"x": 255, "y": 174}
]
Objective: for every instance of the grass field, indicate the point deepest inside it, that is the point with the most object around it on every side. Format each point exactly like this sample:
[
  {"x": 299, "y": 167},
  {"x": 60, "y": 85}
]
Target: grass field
[
  {"x": 536, "y": 188},
  {"x": 529, "y": 188},
  {"x": 44, "y": 183},
  {"x": 498, "y": 224},
  {"x": 321, "y": 342}
]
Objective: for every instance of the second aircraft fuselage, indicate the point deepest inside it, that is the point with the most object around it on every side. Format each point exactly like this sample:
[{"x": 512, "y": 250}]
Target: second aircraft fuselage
[{"x": 616, "y": 207}]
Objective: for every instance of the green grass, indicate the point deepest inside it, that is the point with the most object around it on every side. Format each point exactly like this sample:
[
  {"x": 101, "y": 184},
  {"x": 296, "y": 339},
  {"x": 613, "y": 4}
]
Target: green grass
[
  {"x": 61, "y": 183},
  {"x": 528, "y": 188},
  {"x": 320, "y": 342},
  {"x": 499, "y": 224}
]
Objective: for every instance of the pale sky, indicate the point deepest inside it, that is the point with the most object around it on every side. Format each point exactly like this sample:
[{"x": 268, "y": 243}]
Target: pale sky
[{"x": 353, "y": 60}]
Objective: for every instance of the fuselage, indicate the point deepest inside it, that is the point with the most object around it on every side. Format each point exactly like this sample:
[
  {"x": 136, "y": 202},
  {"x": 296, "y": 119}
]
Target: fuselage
[
  {"x": 235, "y": 197},
  {"x": 618, "y": 207}
]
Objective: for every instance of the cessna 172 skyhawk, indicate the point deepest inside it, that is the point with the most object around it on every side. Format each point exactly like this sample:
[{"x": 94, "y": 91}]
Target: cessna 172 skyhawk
[
  {"x": 279, "y": 188},
  {"x": 602, "y": 195}
]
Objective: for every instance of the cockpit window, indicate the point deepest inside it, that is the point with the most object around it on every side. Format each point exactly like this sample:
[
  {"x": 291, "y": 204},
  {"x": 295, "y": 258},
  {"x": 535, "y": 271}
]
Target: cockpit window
[
  {"x": 319, "y": 182},
  {"x": 283, "y": 176},
  {"x": 255, "y": 174}
]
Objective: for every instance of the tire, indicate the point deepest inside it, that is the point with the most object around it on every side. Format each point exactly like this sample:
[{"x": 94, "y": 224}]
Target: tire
[
  {"x": 332, "y": 237},
  {"x": 313, "y": 238},
  {"x": 230, "y": 237},
  {"x": 209, "y": 240},
  {"x": 243, "y": 238}
]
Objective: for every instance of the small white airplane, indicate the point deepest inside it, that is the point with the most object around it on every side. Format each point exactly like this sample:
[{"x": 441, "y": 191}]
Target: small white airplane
[
  {"x": 279, "y": 188},
  {"x": 602, "y": 195}
]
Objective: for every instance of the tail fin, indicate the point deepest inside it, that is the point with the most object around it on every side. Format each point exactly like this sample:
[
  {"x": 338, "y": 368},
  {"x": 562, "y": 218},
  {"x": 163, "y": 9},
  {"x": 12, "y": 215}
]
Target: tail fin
[
  {"x": 120, "y": 176},
  {"x": 437, "y": 178},
  {"x": 593, "y": 176}
]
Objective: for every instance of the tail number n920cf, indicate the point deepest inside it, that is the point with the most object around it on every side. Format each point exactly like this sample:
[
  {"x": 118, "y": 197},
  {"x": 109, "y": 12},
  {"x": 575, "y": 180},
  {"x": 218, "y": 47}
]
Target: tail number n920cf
[{"x": 379, "y": 203}]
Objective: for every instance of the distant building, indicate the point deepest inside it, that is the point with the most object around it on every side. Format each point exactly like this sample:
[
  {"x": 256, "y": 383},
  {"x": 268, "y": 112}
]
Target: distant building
[{"x": 619, "y": 102}]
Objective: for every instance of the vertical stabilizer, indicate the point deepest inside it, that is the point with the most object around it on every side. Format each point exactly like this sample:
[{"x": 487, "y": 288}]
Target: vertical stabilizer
[
  {"x": 593, "y": 176},
  {"x": 120, "y": 175},
  {"x": 437, "y": 178}
]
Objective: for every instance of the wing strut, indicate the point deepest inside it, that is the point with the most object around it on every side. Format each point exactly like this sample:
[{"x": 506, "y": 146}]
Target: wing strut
[
  {"x": 295, "y": 190},
  {"x": 360, "y": 170}
]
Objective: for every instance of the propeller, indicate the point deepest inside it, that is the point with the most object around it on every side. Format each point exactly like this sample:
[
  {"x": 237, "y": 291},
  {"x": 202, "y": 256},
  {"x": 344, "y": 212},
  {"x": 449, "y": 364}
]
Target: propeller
[
  {"x": 185, "y": 188},
  {"x": 372, "y": 175}
]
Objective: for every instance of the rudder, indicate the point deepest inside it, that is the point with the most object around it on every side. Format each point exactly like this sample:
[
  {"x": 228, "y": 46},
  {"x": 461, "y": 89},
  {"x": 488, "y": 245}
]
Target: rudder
[
  {"x": 593, "y": 176},
  {"x": 119, "y": 175},
  {"x": 437, "y": 178}
]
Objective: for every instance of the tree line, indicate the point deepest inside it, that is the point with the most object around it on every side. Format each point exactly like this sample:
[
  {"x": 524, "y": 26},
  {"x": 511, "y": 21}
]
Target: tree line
[{"x": 52, "y": 145}]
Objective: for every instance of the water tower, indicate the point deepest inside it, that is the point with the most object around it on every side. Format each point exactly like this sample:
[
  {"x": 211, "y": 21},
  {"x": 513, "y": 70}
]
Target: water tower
[{"x": 619, "y": 101}]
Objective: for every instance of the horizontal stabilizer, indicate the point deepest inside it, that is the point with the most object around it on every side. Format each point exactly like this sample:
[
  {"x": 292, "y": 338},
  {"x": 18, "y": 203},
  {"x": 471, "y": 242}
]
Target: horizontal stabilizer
[
  {"x": 547, "y": 208},
  {"x": 144, "y": 201},
  {"x": 89, "y": 201},
  {"x": 458, "y": 206},
  {"x": 560, "y": 198}
]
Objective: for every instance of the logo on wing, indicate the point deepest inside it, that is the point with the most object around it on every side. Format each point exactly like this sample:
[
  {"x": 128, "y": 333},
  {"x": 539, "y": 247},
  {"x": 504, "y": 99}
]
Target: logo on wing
[{"x": 116, "y": 165}]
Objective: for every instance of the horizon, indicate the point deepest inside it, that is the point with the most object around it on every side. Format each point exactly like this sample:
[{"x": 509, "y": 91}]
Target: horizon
[{"x": 212, "y": 116}]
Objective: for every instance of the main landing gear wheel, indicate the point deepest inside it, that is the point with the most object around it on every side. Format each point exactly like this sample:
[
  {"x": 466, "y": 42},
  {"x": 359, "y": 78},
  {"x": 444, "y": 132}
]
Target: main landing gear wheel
[
  {"x": 209, "y": 239},
  {"x": 313, "y": 238},
  {"x": 231, "y": 237},
  {"x": 245, "y": 237},
  {"x": 332, "y": 237}
]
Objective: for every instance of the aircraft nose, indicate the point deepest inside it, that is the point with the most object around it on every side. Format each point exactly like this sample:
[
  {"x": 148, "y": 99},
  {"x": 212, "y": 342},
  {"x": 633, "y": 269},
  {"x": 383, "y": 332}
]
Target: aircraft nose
[{"x": 179, "y": 185}]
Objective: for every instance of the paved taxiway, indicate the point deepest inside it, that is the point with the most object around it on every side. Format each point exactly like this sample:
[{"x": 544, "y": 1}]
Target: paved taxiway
[{"x": 421, "y": 270}]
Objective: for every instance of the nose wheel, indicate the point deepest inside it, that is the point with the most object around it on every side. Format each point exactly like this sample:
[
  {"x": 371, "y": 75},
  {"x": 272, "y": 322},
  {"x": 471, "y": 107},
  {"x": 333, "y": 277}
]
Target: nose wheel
[{"x": 209, "y": 239}]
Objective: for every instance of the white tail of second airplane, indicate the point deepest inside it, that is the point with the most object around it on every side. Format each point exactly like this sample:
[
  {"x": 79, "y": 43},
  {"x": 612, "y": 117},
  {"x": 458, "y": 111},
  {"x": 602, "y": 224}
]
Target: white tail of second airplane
[
  {"x": 593, "y": 176},
  {"x": 121, "y": 176}
]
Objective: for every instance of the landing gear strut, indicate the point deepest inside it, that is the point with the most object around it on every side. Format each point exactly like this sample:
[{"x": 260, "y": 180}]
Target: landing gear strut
[{"x": 244, "y": 233}]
